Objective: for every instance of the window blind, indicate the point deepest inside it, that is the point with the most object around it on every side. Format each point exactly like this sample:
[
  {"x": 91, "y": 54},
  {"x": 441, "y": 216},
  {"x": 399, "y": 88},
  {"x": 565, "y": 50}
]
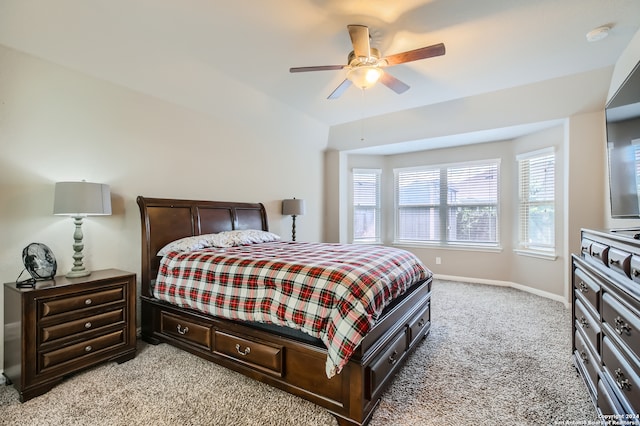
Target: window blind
[
  {"x": 366, "y": 205},
  {"x": 448, "y": 203},
  {"x": 536, "y": 172}
]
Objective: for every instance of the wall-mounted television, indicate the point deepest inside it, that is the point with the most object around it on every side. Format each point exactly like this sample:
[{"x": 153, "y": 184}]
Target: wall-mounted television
[{"x": 623, "y": 147}]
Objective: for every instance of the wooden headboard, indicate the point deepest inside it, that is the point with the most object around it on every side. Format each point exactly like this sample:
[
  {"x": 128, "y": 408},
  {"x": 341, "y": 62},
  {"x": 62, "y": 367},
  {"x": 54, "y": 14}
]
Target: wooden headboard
[{"x": 164, "y": 220}]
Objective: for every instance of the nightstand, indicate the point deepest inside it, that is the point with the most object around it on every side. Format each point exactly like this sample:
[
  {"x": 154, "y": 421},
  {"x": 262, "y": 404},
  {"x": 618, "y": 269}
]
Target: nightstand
[{"x": 65, "y": 325}]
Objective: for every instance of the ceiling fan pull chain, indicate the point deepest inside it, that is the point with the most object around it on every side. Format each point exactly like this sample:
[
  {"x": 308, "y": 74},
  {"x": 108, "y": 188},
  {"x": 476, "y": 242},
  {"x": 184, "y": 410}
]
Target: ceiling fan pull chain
[{"x": 362, "y": 118}]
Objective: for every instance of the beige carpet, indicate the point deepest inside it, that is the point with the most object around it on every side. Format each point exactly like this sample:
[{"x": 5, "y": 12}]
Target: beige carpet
[{"x": 495, "y": 356}]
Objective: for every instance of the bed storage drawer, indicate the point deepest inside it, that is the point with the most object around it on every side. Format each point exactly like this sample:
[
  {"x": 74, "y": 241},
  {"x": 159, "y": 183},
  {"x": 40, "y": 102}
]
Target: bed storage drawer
[
  {"x": 420, "y": 325},
  {"x": 383, "y": 365},
  {"x": 263, "y": 356},
  {"x": 185, "y": 329}
]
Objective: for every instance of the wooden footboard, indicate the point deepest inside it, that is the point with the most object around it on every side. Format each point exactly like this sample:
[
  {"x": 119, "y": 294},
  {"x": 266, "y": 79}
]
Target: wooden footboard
[{"x": 294, "y": 366}]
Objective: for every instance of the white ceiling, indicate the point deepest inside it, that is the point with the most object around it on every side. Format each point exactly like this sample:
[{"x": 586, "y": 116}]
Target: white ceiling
[{"x": 172, "y": 49}]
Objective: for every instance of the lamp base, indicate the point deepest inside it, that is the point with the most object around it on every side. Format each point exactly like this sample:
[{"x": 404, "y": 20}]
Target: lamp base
[
  {"x": 78, "y": 274},
  {"x": 78, "y": 269}
]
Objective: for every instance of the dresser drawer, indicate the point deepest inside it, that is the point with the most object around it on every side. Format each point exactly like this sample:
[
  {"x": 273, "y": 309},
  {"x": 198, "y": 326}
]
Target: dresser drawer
[
  {"x": 586, "y": 358},
  {"x": 635, "y": 268},
  {"x": 608, "y": 402},
  {"x": 48, "y": 360},
  {"x": 620, "y": 261},
  {"x": 93, "y": 322},
  {"x": 381, "y": 367},
  {"x": 600, "y": 253},
  {"x": 260, "y": 355},
  {"x": 625, "y": 323},
  {"x": 419, "y": 325},
  {"x": 585, "y": 246},
  {"x": 588, "y": 288},
  {"x": 185, "y": 329},
  {"x": 622, "y": 375},
  {"x": 588, "y": 325},
  {"x": 50, "y": 307}
]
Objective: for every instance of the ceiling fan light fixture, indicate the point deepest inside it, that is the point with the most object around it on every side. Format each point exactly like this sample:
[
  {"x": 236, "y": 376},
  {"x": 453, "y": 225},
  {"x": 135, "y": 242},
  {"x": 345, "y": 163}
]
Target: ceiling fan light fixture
[{"x": 364, "y": 76}]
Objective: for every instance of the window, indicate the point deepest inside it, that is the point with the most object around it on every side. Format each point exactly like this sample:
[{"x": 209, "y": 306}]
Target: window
[
  {"x": 536, "y": 176},
  {"x": 366, "y": 206},
  {"x": 448, "y": 204}
]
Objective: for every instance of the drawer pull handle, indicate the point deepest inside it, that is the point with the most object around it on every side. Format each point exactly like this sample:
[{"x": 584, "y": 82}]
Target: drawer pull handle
[
  {"x": 635, "y": 272},
  {"x": 392, "y": 358},
  {"x": 181, "y": 330},
  {"x": 88, "y": 302},
  {"x": 87, "y": 325},
  {"x": 623, "y": 382},
  {"x": 583, "y": 287},
  {"x": 584, "y": 357},
  {"x": 245, "y": 352},
  {"x": 622, "y": 326},
  {"x": 614, "y": 261},
  {"x": 595, "y": 254},
  {"x": 583, "y": 322},
  {"x": 421, "y": 323},
  {"x": 88, "y": 348}
]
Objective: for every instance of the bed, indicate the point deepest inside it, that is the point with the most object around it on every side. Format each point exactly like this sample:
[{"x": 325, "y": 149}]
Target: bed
[{"x": 274, "y": 352}]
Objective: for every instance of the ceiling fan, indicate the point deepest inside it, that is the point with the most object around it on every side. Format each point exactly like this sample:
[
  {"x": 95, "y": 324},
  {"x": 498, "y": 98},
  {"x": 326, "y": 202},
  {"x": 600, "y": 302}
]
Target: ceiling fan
[{"x": 365, "y": 65}]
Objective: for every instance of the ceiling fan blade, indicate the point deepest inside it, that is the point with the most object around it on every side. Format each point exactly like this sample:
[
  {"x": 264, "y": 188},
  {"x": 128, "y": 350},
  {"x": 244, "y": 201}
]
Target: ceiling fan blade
[
  {"x": 393, "y": 83},
  {"x": 340, "y": 89},
  {"x": 417, "y": 54},
  {"x": 318, "y": 68},
  {"x": 360, "y": 39}
]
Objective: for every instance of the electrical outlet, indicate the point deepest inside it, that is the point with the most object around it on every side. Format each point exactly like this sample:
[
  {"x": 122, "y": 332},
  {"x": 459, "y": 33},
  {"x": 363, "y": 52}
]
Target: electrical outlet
[{"x": 438, "y": 260}]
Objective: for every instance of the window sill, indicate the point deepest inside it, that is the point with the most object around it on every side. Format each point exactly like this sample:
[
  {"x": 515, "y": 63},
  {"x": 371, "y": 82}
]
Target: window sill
[
  {"x": 367, "y": 243},
  {"x": 537, "y": 254},
  {"x": 465, "y": 247}
]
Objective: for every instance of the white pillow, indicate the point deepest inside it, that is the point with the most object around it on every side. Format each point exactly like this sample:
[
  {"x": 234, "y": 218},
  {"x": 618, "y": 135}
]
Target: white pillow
[
  {"x": 221, "y": 239},
  {"x": 243, "y": 237},
  {"x": 196, "y": 242}
]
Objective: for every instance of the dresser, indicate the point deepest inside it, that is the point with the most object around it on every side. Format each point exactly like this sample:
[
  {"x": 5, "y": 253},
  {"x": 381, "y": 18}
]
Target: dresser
[
  {"x": 65, "y": 325},
  {"x": 606, "y": 322}
]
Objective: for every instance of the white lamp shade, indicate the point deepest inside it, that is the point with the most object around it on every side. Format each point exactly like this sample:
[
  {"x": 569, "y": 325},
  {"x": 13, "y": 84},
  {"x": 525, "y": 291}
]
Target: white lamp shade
[
  {"x": 293, "y": 207},
  {"x": 82, "y": 199}
]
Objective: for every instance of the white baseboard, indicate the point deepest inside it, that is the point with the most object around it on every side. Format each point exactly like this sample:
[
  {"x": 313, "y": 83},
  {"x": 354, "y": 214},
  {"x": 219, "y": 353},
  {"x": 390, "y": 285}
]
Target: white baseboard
[{"x": 517, "y": 286}]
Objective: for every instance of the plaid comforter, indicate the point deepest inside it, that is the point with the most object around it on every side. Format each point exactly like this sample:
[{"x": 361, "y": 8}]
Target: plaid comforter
[{"x": 334, "y": 292}]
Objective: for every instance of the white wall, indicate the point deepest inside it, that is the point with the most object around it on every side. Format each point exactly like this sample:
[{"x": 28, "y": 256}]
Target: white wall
[{"x": 56, "y": 124}]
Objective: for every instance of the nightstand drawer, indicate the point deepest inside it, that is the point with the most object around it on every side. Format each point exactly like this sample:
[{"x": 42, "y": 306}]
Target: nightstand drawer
[
  {"x": 185, "y": 329},
  {"x": 259, "y": 355},
  {"x": 50, "y": 307},
  {"x": 52, "y": 359},
  {"x": 51, "y": 333}
]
